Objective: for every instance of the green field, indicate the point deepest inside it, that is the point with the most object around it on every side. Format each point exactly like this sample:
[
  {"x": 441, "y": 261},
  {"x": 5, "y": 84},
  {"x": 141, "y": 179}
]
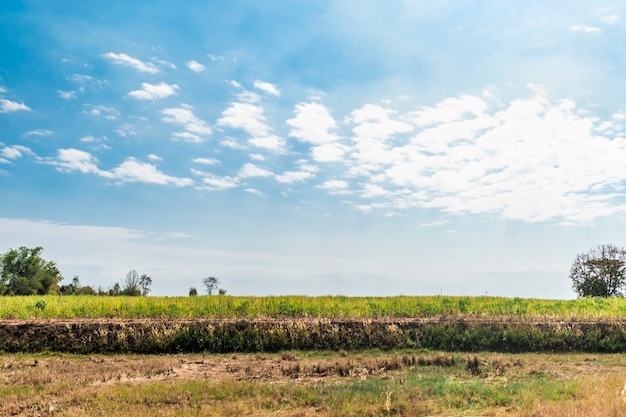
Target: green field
[{"x": 93, "y": 307}]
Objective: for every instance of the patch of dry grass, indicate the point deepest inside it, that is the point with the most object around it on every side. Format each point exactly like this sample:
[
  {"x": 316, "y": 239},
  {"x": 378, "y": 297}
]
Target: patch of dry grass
[{"x": 313, "y": 383}]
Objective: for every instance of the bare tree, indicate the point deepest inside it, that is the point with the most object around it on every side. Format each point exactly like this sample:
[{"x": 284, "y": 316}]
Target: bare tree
[
  {"x": 132, "y": 284},
  {"x": 210, "y": 283}
]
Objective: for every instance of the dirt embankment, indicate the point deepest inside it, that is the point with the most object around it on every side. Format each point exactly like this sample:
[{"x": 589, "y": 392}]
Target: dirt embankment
[{"x": 271, "y": 335}]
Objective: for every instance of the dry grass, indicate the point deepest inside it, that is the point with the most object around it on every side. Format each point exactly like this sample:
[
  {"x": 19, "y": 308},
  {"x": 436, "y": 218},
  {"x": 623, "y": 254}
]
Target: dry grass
[{"x": 313, "y": 383}]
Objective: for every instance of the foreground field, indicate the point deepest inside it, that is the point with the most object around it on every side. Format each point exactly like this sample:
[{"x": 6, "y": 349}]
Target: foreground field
[{"x": 291, "y": 383}]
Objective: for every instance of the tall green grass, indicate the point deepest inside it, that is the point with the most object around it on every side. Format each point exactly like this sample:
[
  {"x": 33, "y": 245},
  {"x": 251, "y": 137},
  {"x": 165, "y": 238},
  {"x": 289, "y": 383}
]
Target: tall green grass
[{"x": 97, "y": 307}]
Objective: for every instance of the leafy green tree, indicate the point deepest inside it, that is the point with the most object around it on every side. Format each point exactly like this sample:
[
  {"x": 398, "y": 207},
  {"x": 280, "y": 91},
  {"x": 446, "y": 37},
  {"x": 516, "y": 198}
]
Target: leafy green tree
[
  {"x": 601, "y": 272},
  {"x": 25, "y": 272}
]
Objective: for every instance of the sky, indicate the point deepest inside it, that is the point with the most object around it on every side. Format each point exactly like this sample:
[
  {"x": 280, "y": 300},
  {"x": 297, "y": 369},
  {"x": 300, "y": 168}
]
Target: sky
[{"x": 349, "y": 147}]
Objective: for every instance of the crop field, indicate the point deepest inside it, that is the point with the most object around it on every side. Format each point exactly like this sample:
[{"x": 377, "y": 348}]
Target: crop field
[
  {"x": 229, "y": 307},
  {"x": 311, "y": 356}
]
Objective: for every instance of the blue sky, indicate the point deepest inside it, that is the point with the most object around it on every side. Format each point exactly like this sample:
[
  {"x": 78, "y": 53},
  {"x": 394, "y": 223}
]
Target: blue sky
[{"x": 323, "y": 147}]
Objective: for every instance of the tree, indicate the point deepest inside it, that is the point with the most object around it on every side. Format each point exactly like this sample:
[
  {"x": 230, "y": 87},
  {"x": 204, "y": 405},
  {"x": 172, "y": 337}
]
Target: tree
[
  {"x": 144, "y": 283},
  {"x": 601, "y": 272},
  {"x": 193, "y": 292},
  {"x": 25, "y": 272},
  {"x": 210, "y": 283},
  {"x": 116, "y": 290},
  {"x": 132, "y": 285}
]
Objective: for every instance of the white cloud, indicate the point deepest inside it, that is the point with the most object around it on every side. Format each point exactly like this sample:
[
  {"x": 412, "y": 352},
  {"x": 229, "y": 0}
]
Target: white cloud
[
  {"x": 206, "y": 161},
  {"x": 15, "y": 151},
  {"x": 251, "y": 170},
  {"x": 306, "y": 172},
  {"x": 173, "y": 236},
  {"x": 69, "y": 160},
  {"x": 7, "y": 106},
  {"x": 184, "y": 116},
  {"x": 532, "y": 160},
  {"x": 67, "y": 95},
  {"x": 449, "y": 110},
  {"x": 584, "y": 29},
  {"x": 251, "y": 119},
  {"x": 39, "y": 132},
  {"x": 375, "y": 122},
  {"x": 312, "y": 124},
  {"x": 154, "y": 92},
  {"x": 154, "y": 157},
  {"x": 336, "y": 187},
  {"x": 108, "y": 113},
  {"x": 254, "y": 191},
  {"x": 187, "y": 137},
  {"x": 125, "y": 130},
  {"x": 126, "y": 60},
  {"x": 214, "y": 182},
  {"x": 3, "y": 89},
  {"x": 609, "y": 19},
  {"x": 132, "y": 170},
  {"x": 266, "y": 87},
  {"x": 195, "y": 66},
  {"x": 164, "y": 63}
]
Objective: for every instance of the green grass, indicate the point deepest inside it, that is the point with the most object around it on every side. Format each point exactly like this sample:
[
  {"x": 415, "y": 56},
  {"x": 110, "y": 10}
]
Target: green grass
[{"x": 73, "y": 307}]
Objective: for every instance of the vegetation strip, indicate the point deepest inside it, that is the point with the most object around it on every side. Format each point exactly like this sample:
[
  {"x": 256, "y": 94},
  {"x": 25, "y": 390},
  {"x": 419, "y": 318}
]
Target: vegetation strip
[
  {"x": 273, "y": 335},
  {"x": 236, "y": 307}
]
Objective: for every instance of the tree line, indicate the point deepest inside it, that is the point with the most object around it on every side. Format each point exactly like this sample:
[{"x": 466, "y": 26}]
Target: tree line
[
  {"x": 600, "y": 272},
  {"x": 24, "y": 271}
]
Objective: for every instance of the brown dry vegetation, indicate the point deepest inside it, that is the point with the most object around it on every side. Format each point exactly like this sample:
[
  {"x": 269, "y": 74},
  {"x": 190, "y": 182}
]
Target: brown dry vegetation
[{"x": 313, "y": 384}]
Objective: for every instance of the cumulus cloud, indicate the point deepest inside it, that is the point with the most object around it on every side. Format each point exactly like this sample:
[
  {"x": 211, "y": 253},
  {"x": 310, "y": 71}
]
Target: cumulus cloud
[
  {"x": 195, "y": 66},
  {"x": 15, "y": 151},
  {"x": 7, "y": 106},
  {"x": 531, "y": 160},
  {"x": 154, "y": 92},
  {"x": 306, "y": 171},
  {"x": 71, "y": 159},
  {"x": 206, "y": 161},
  {"x": 312, "y": 123},
  {"x": 250, "y": 170},
  {"x": 266, "y": 87},
  {"x": 131, "y": 170},
  {"x": 336, "y": 187},
  {"x": 187, "y": 137},
  {"x": 183, "y": 116},
  {"x": 129, "y": 61},
  {"x": 39, "y": 132},
  {"x": 107, "y": 112},
  {"x": 251, "y": 119},
  {"x": 212, "y": 182}
]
